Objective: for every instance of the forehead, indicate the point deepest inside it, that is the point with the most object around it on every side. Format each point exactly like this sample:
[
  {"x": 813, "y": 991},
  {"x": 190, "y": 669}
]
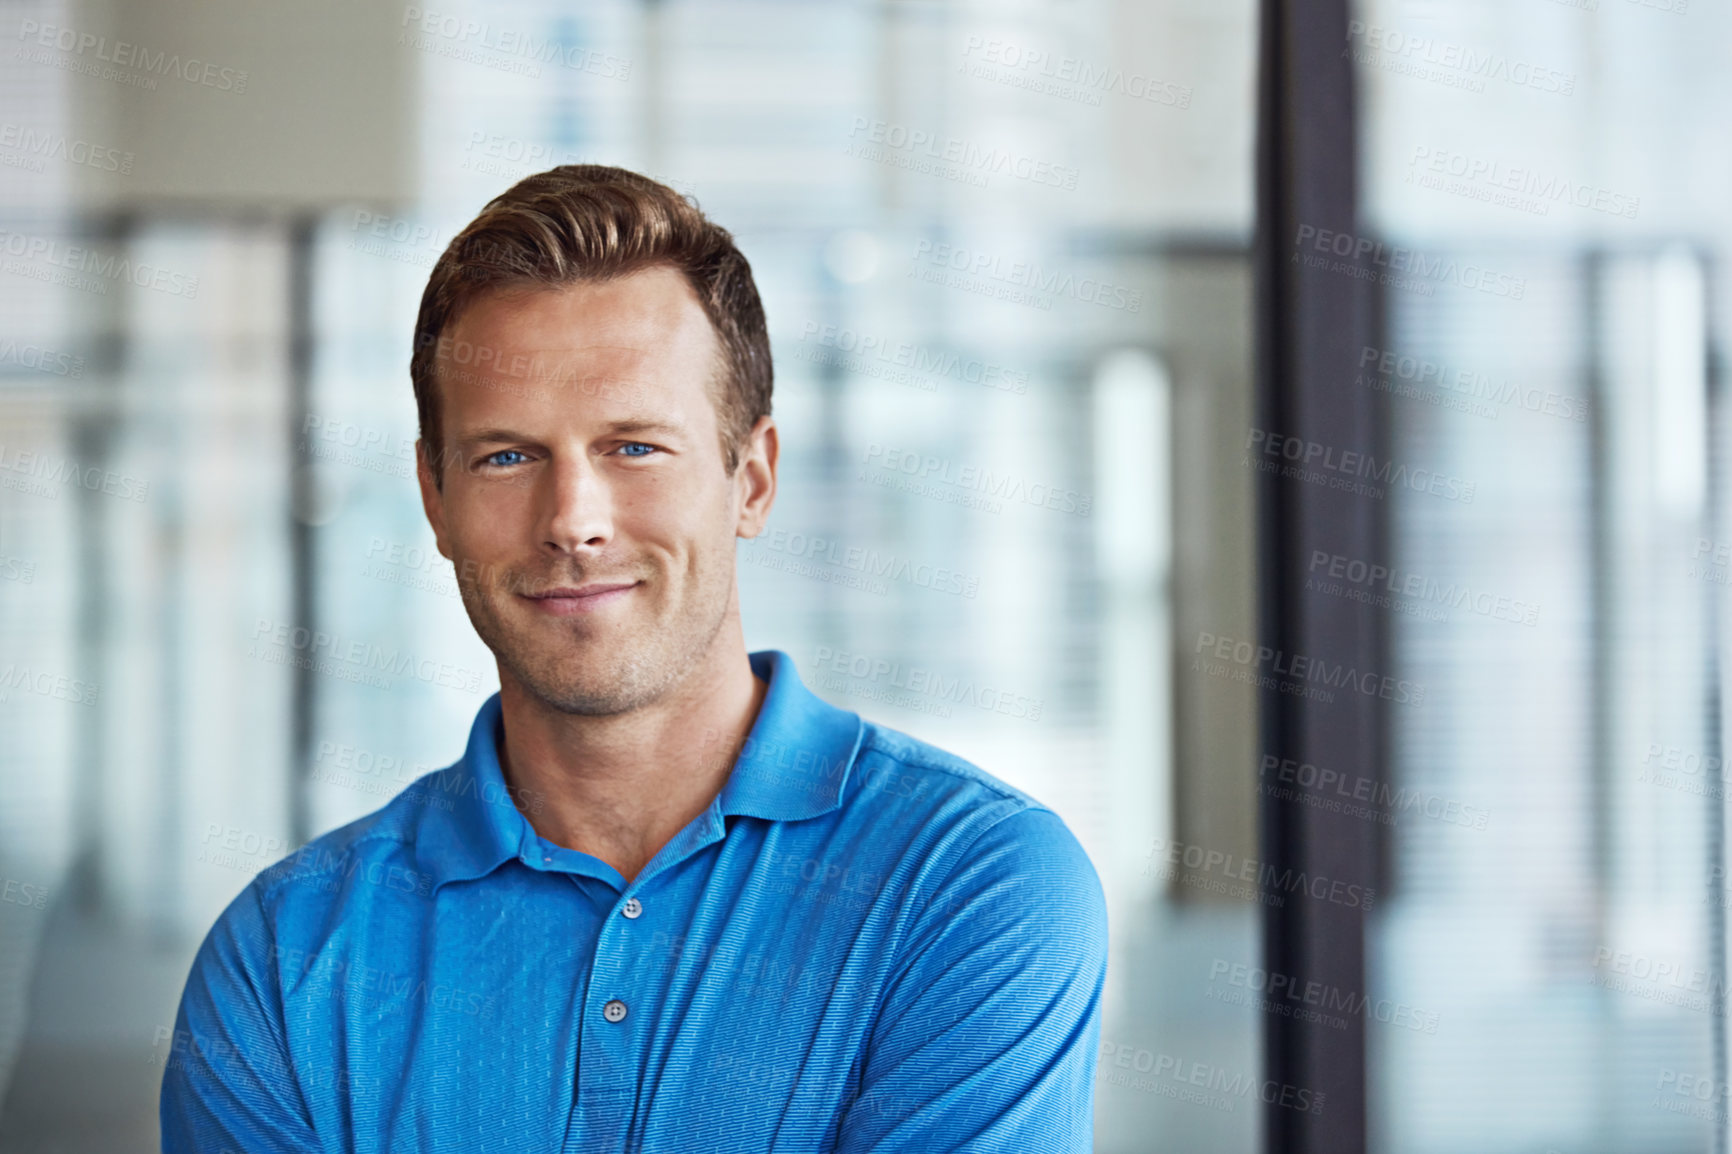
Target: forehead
[{"x": 641, "y": 337}]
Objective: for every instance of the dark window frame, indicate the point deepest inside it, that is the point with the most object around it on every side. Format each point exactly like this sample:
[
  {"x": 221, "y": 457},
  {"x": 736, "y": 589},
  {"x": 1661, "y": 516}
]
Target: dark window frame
[{"x": 1311, "y": 323}]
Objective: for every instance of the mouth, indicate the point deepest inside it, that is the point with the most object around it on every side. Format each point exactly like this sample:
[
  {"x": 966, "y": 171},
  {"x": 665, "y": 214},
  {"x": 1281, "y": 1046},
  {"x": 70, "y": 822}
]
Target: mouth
[{"x": 567, "y": 601}]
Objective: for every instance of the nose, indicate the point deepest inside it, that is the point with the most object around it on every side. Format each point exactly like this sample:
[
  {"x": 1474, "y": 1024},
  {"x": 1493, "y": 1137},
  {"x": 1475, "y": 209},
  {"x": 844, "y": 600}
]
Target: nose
[{"x": 576, "y": 507}]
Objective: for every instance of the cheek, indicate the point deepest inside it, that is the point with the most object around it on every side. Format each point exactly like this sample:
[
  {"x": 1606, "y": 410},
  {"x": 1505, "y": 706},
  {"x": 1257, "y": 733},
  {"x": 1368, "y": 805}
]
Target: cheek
[
  {"x": 485, "y": 519},
  {"x": 675, "y": 511},
  {"x": 695, "y": 534}
]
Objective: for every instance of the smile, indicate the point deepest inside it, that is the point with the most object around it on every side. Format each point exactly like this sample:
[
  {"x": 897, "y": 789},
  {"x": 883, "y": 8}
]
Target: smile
[{"x": 581, "y": 599}]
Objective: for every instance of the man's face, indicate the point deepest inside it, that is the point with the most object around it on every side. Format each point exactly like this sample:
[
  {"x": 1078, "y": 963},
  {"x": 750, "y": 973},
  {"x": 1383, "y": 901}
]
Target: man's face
[{"x": 586, "y": 503}]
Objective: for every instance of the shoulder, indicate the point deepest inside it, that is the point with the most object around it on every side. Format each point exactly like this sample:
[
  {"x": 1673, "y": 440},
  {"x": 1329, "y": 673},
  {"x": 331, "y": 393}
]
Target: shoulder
[
  {"x": 979, "y": 837},
  {"x": 892, "y": 765},
  {"x": 386, "y": 834},
  {"x": 364, "y": 866}
]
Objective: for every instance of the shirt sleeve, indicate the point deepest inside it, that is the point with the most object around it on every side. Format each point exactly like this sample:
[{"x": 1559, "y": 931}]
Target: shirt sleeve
[
  {"x": 229, "y": 1082},
  {"x": 987, "y": 1035}
]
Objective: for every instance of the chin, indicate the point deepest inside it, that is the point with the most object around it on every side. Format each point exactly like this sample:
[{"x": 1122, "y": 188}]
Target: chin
[
  {"x": 593, "y": 688},
  {"x": 598, "y": 667}
]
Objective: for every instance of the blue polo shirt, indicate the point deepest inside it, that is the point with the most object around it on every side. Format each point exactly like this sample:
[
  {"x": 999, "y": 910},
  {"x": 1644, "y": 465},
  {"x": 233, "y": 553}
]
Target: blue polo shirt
[{"x": 864, "y": 943}]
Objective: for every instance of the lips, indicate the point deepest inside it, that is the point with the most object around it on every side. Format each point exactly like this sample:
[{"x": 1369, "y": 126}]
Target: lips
[
  {"x": 578, "y": 593},
  {"x": 585, "y": 598}
]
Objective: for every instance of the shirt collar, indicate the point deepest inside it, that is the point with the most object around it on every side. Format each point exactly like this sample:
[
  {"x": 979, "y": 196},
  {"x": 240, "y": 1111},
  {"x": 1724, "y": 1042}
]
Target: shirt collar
[
  {"x": 798, "y": 753},
  {"x": 794, "y": 764}
]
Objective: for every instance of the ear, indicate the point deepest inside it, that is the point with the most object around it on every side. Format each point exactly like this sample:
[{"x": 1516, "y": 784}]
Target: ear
[
  {"x": 755, "y": 479},
  {"x": 432, "y": 500}
]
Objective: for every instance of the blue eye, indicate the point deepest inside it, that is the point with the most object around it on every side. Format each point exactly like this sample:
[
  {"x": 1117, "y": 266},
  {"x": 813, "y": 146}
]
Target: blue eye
[
  {"x": 493, "y": 458},
  {"x": 636, "y": 449}
]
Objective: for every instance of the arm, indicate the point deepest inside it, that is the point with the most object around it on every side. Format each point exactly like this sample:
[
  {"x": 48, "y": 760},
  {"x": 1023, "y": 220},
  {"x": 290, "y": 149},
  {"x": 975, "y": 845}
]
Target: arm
[
  {"x": 987, "y": 1034},
  {"x": 229, "y": 1083}
]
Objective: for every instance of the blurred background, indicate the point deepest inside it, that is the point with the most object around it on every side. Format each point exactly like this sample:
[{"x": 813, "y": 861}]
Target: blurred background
[{"x": 1006, "y": 250}]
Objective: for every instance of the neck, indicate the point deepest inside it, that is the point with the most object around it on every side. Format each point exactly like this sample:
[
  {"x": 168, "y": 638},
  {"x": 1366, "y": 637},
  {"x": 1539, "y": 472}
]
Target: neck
[{"x": 620, "y": 787}]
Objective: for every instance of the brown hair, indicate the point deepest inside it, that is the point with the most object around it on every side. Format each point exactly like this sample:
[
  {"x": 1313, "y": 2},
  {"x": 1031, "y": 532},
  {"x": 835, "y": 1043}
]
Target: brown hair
[{"x": 590, "y": 222}]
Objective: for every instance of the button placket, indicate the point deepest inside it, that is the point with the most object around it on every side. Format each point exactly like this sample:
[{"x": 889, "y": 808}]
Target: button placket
[{"x": 616, "y": 1010}]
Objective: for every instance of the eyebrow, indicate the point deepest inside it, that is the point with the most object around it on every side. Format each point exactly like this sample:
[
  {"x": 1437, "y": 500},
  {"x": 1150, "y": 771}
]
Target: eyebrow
[
  {"x": 645, "y": 425},
  {"x": 486, "y": 436},
  {"x": 640, "y": 425}
]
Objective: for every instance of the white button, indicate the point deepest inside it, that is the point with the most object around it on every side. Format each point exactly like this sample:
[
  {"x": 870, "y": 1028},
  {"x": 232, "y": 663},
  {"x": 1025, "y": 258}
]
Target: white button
[
  {"x": 632, "y": 908},
  {"x": 547, "y": 859},
  {"x": 614, "y": 1011}
]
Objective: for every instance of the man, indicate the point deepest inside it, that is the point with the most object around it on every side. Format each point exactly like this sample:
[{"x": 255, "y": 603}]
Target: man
[{"x": 668, "y": 899}]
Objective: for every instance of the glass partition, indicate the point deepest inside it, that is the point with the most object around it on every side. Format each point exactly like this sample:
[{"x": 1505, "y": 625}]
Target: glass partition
[{"x": 1005, "y": 256}]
